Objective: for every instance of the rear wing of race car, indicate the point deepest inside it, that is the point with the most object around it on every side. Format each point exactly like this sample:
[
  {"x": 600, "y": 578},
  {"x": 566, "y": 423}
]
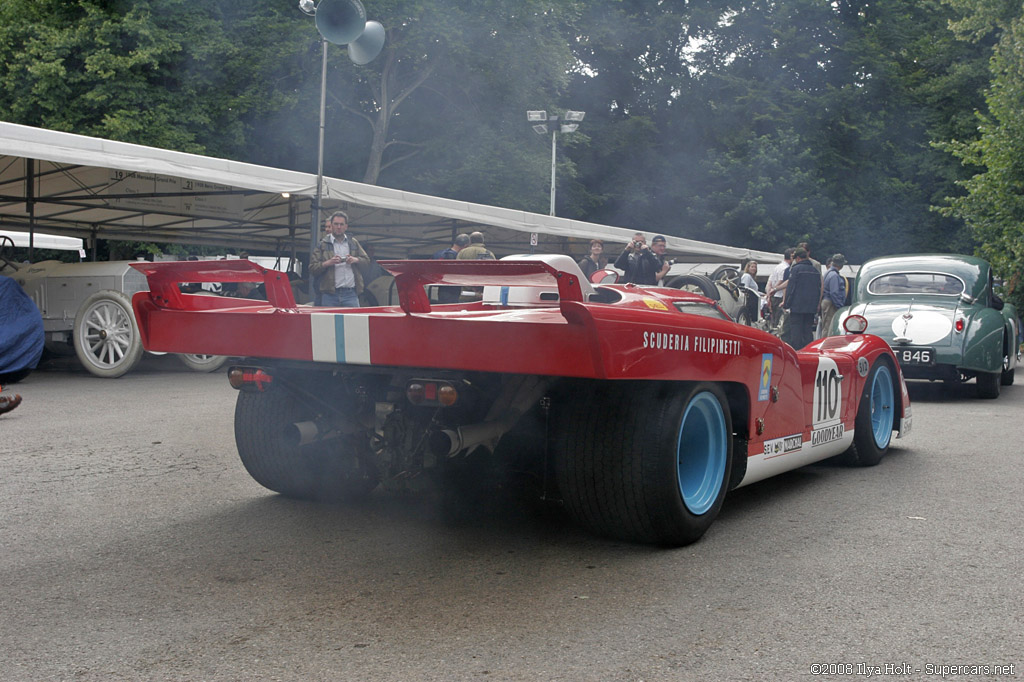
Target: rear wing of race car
[
  {"x": 172, "y": 321},
  {"x": 411, "y": 278},
  {"x": 164, "y": 279}
]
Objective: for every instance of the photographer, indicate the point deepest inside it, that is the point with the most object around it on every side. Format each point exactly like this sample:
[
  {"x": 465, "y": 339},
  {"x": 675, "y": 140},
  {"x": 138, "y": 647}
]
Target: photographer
[{"x": 641, "y": 264}]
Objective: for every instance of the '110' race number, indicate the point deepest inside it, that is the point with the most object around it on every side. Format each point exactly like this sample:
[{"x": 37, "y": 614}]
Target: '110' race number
[{"x": 828, "y": 393}]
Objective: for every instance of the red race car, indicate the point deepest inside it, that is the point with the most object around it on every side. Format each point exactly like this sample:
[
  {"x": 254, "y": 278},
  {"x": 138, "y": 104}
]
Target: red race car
[{"x": 638, "y": 407}]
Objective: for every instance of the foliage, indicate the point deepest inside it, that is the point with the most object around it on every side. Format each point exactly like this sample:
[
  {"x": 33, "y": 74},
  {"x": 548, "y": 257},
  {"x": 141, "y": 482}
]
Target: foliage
[
  {"x": 165, "y": 73},
  {"x": 756, "y": 123},
  {"x": 993, "y": 206}
]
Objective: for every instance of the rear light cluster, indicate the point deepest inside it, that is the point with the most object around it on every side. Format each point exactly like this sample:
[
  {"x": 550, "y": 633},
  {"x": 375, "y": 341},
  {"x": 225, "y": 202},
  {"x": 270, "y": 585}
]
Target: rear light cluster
[
  {"x": 427, "y": 392},
  {"x": 249, "y": 377},
  {"x": 960, "y": 324}
]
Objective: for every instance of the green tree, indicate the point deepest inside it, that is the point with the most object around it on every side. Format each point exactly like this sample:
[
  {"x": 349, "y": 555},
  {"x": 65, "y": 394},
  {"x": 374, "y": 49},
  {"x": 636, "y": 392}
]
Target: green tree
[
  {"x": 822, "y": 115},
  {"x": 441, "y": 109},
  {"x": 168, "y": 73},
  {"x": 993, "y": 206}
]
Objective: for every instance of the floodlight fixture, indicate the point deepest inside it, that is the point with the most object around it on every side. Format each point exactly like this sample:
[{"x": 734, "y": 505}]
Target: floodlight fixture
[
  {"x": 342, "y": 22},
  {"x": 553, "y": 125}
]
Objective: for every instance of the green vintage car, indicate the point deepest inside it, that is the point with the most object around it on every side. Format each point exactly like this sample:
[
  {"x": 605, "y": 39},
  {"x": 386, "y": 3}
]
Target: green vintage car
[{"x": 941, "y": 316}]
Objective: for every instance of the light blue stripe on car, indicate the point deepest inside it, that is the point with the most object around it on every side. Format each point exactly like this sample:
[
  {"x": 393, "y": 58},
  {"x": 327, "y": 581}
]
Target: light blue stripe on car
[{"x": 341, "y": 338}]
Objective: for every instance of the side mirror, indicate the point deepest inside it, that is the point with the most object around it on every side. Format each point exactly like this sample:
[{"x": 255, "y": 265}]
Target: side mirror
[{"x": 855, "y": 324}]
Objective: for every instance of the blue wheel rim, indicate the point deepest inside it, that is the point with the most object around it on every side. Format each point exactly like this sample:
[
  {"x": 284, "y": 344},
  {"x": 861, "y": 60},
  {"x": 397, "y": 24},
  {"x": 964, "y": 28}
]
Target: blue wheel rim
[
  {"x": 701, "y": 453},
  {"x": 883, "y": 409}
]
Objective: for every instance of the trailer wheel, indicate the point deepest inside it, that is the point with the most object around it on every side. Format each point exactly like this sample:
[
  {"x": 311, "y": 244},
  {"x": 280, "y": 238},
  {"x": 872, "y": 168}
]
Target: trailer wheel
[
  {"x": 648, "y": 464},
  {"x": 698, "y": 284},
  {"x": 106, "y": 337},
  {"x": 331, "y": 470},
  {"x": 203, "y": 363},
  {"x": 6, "y": 252}
]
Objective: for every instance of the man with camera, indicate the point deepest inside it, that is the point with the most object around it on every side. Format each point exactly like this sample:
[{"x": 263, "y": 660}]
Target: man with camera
[
  {"x": 339, "y": 260},
  {"x": 641, "y": 264}
]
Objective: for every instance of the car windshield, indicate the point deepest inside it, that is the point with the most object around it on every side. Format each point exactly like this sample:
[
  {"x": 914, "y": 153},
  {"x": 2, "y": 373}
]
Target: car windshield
[{"x": 901, "y": 283}]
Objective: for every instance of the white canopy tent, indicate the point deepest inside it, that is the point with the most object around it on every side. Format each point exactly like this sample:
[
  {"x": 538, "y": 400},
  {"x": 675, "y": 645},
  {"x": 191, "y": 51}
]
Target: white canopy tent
[
  {"x": 53, "y": 242},
  {"x": 91, "y": 188}
]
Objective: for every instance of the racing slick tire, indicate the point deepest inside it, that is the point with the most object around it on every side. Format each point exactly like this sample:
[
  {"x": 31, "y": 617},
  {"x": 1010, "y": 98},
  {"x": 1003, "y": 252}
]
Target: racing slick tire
[
  {"x": 645, "y": 463},
  {"x": 988, "y": 384},
  {"x": 698, "y": 284},
  {"x": 876, "y": 418},
  {"x": 106, "y": 336},
  {"x": 328, "y": 470},
  {"x": 198, "y": 362}
]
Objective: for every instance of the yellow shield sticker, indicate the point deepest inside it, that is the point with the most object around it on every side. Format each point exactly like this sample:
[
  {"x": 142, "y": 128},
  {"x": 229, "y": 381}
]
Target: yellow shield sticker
[{"x": 655, "y": 304}]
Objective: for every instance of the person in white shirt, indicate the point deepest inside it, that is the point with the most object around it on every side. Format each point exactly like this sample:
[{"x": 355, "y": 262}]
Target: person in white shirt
[
  {"x": 776, "y": 285},
  {"x": 749, "y": 273}
]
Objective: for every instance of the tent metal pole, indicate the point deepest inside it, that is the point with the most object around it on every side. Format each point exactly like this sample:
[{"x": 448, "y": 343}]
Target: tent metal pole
[{"x": 314, "y": 226}]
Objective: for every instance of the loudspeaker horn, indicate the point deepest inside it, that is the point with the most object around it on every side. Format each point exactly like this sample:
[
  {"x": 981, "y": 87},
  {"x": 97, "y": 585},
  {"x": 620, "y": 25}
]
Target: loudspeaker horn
[
  {"x": 340, "y": 21},
  {"x": 367, "y": 46}
]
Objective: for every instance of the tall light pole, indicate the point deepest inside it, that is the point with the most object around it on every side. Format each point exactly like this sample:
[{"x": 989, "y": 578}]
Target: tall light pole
[
  {"x": 342, "y": 22},
  {"x": 542, "y": 123}
]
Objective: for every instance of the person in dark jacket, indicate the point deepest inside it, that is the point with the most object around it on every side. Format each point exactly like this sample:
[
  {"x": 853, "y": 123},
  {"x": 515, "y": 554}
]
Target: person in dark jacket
[
  {"x": 640, "y": 264},
  {"x": 803, "y": 294},
  {"x": 452, "y": 252},
  {"x": 595, "y": 260},
  {"x": 451, "y": 294}
]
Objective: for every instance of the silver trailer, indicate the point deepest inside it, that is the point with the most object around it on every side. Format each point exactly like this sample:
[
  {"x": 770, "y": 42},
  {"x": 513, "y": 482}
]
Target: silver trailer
[{"x": 87, "y": 310}]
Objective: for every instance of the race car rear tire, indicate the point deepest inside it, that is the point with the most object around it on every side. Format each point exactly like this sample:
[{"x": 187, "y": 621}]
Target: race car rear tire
[
  {"x": 876, "y": 418},
  {"x": 330, "y": 470},
  {"x": 988, "y": 384},
  {"x": 645, "y": 463},
  {"x": 106, "y": 336}
]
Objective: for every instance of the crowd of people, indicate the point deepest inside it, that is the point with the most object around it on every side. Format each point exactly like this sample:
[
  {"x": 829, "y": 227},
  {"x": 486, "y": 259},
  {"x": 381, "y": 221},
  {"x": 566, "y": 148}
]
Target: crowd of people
[
  {"x": 797, "y": 299},
  {"x": 802, "y": 303}
]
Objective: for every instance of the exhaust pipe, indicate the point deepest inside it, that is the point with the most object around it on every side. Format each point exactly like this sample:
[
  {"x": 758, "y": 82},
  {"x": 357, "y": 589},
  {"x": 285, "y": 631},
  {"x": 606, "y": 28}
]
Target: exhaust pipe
[
  {"x": 449, "y": 442},
  {"x": 305, "y": 433}
]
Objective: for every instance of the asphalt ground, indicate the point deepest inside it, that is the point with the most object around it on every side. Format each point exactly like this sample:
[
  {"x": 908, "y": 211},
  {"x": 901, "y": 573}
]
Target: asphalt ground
[{"x": 134, "y": 546}]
